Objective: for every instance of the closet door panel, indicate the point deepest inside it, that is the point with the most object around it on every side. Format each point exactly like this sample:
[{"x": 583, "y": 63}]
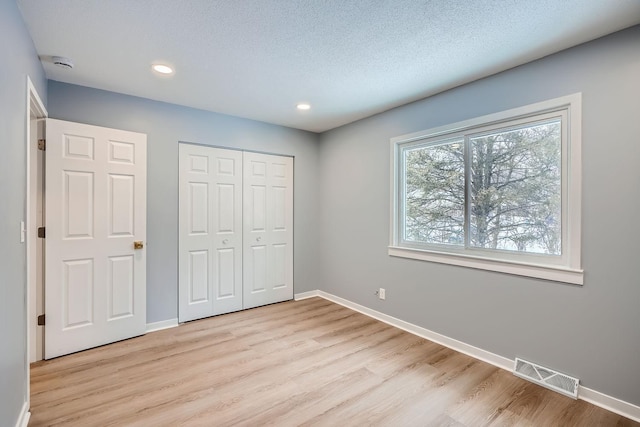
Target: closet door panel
[
  {"x": 210, "y": 231},
  {"x": 268, "y": 229},
  {"x": 227, "y": 241}
]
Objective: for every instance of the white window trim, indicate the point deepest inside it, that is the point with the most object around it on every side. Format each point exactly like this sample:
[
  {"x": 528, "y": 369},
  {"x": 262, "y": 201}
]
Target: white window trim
[{"x": 571, "y": 271}]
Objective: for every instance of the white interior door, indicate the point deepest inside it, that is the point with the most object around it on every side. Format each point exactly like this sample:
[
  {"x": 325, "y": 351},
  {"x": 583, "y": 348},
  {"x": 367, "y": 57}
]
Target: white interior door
[
  {"x": 210, "y": 235},
  {"x": 268, "y": 229},
  {"x": 95, "y": 281}
]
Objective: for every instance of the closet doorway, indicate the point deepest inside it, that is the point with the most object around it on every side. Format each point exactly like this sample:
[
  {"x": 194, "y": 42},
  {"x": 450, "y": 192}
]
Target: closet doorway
[{"x": 235, "y": 230}]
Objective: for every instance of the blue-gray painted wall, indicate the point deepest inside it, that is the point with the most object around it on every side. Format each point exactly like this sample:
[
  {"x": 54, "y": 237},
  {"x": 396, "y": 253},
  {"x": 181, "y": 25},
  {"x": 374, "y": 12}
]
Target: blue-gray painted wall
[
  {"x": 593, "y": 331},
  {"x": 165, "y": 125},
  {"x": 21, "y": 60}
]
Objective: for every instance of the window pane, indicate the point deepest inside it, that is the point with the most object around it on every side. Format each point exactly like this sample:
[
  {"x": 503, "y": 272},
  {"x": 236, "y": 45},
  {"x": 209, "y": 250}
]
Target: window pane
[
  {"x": 515, "y": 190},
  {"x": 434, "y": 194}
]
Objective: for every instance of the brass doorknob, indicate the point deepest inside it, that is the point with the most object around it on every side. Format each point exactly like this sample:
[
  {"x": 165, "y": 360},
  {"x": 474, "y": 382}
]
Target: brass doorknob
[{"x": 138, "y": 244}]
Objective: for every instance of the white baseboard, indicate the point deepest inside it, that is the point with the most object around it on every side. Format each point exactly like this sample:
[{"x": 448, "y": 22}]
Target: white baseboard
[
  {"x": 305, "y": 295},
  {"x": 23, "y": 419},
  {"x": 163, "y": 324},
  {"x": 609, "y": 403},
  {"x": 604, "y": 401},
  {"x": 478, "y": 353}
]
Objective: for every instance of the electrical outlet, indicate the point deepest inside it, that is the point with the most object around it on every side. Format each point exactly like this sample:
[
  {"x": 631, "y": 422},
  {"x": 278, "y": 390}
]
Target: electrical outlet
[{"x": 382, "y": 293}]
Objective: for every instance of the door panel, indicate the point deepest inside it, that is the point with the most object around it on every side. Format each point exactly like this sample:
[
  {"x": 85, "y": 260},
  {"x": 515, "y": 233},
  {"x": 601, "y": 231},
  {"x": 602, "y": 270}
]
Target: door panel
[
  {"x": 268, "y": 229},
  {"x": 226, "y": 211},
  {"x": 279, "y": 265},
  {"x": 258, "y": 268},
  {"x": 77, "y": 290},
  {"x": 78, "y": 204},
  {"x": 199, "y": 277},
  {"x": 120, "y": 200},
  {"x": 78, "y": 147},
  {"x": 279, "y": 208},
  {"x": 121, "y": 286},
  {"x": 122, "y": 152},
  {"x": 95, "y": 282},
  {"x": 199, "y": 208},
  {"x": 210, "y": 236},
  {"x": 226, "y": 273},
  {"x": 258, "y": 207}
]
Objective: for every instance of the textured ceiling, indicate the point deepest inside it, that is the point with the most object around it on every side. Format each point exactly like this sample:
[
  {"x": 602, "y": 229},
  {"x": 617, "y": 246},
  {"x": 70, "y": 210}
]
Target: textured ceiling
[{"x": 348, "y": 58}]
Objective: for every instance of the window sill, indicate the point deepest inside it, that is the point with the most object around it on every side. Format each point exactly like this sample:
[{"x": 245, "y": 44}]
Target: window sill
[{"x": 554, "y": 273}]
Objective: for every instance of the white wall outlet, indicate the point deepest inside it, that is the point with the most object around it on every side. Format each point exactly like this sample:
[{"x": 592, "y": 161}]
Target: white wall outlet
[
  {"x": 23, "y": 232},
  {"x": 382, "y": 293}
]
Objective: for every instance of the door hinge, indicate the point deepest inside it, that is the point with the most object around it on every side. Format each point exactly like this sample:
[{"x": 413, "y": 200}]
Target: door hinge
[
  {"x": 41, "y": 320},
  {"x": 41, "y": 232},
  {"x": 42, "y": 144}
]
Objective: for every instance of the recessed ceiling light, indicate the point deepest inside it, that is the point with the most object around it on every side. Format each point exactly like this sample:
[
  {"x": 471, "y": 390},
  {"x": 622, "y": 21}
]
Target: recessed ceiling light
[
  {"x": 162, "y": 69},
  {"x": 303, "y": 106}
]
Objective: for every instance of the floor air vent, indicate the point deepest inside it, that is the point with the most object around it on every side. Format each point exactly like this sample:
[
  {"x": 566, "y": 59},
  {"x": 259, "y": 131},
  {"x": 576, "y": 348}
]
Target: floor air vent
[{"x": 547, "y": 378}]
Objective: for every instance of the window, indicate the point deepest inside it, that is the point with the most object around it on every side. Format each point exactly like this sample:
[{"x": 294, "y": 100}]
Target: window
[{"x": 499, "y": 192}]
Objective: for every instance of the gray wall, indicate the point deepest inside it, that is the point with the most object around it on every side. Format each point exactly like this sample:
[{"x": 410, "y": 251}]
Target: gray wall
[
  {"x": 21, "y": 60},
  {"x": 165, "y": 125},
  {"x": 592, "y": 332}
]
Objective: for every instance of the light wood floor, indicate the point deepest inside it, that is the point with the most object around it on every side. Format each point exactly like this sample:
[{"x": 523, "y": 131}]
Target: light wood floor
[{"x": 310, "y": 362}]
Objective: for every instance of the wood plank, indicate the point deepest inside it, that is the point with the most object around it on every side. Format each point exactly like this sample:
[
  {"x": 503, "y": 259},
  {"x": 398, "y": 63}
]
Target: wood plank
[{"x": 309, "y": 362}]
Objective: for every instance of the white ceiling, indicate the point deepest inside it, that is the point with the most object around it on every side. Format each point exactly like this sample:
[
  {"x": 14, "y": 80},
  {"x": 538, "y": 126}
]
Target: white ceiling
[{"x": 348, "y": 58}]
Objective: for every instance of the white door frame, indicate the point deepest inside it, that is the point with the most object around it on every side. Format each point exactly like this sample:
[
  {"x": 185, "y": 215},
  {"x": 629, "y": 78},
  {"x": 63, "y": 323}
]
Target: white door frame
[{"x": 36, "y": 107}]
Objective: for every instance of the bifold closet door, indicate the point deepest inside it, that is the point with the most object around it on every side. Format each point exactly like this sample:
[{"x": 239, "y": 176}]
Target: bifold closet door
[
  {"x": 268, "y": 229},
  {"x": 210, "y": 231}
]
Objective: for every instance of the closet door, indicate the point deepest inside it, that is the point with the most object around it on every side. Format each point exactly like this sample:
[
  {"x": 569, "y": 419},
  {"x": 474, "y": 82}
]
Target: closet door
[
  {"x": 268, "y": 229},
  {"x": 210, "y": 231}
]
